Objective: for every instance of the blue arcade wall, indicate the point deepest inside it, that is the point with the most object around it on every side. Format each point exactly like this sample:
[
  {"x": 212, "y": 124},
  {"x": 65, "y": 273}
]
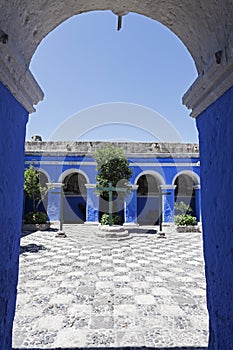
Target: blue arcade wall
[{"x": 163, "y": 169}]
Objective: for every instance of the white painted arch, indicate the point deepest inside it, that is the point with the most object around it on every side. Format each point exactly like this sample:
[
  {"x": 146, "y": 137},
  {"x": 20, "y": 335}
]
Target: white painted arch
[
  {"x": 195, "y": 177},
  {"x": 73, "y": 171},
  {"x": 153, "y": 173},
  {"x": 204, "y": 27},
  {"x": 45, "y": 173},
  {"x": 29, "y": 21}
]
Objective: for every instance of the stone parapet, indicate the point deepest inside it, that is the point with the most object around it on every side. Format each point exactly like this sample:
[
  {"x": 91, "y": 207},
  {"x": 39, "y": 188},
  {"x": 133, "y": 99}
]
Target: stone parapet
[{"x": 143, "y": 149}]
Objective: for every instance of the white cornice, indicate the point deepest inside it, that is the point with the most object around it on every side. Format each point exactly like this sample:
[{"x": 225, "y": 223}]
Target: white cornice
[
  {"x": 212, "y": 83},
  {"x": 15, "y": 75}
]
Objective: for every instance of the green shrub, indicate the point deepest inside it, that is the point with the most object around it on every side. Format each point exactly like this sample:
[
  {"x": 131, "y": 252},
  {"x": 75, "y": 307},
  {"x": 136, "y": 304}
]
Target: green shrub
[
  {"x": 35, "y": 218},
  {"x": 185, "y": 220},
  {"x": 116, "y": 220}
]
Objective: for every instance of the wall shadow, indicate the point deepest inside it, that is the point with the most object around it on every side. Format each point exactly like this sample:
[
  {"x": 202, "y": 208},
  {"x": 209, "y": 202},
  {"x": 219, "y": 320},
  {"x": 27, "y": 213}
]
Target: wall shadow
[
  {"x": 142, "y": 231},
  {"x": 31, "y": 248}
]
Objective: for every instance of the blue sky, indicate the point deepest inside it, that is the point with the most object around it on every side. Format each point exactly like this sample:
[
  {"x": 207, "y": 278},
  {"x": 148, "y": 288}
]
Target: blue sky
[{"x": 112, "y": 83}]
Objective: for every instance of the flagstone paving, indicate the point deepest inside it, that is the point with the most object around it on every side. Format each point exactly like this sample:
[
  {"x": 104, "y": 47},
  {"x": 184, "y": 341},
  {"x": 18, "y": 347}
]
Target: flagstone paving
[{"x": 86, "y": 291}]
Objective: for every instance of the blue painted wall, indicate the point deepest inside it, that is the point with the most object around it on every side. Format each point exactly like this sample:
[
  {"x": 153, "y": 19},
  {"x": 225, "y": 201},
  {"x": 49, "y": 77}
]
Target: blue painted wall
[
  {"x": 12, "y": 135},
  {"x": 148, "y": 208},
  {"x": 215, "y": 127}
]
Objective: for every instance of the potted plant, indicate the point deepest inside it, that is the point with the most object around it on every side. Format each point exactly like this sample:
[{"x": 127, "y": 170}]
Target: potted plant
[
  {"x": 35, "y": 220},
  {"x": 184, "y": 220}
]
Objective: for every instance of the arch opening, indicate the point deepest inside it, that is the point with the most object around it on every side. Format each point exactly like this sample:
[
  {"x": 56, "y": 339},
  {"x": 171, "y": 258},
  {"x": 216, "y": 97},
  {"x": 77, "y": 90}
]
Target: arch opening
[
  {"x": 148, "y": 203},
  {"x": 185, "y": 191},
  {"x": 74, "y": 201}
]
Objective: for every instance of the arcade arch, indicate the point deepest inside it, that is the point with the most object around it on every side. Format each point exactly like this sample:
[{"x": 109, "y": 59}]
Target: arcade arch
[
  {"x": 74, "y": 203},
  {"x": 185, "y": 191},
  {"x": 187, "y": 184},
  {"x": 148, "y": 204}
]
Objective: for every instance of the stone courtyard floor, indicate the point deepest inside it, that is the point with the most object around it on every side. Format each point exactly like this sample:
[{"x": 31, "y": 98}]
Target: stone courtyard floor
[{"x": 87, "y": 292}]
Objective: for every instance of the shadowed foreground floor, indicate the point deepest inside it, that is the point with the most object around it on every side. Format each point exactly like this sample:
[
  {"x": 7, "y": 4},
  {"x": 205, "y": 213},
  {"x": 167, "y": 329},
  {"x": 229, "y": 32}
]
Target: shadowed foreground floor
[{"x": 126, "y": 348}]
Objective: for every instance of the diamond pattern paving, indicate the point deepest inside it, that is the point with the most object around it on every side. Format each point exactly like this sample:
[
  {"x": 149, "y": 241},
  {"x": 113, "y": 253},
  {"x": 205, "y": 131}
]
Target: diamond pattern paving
[{"x": 85, "y": 291}]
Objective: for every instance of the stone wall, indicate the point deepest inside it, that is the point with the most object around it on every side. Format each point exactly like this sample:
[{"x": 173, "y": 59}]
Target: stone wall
[{"x": 145, "y": 149}]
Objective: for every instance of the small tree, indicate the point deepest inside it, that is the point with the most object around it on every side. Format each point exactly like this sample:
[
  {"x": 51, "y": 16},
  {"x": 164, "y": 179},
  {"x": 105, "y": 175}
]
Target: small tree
[
  {"x": 33, "y": 188},
  {"x": 112, "y": 166}
]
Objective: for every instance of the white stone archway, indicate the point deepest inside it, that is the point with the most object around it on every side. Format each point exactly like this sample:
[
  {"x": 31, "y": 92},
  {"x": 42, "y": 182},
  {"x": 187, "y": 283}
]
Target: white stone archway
[
  {"x": 44, "y": 173},
  {"x": 153, "y": 173},
  {"x": 195, "y": 177},
  {"x": 209, "y": 42},
  {"x": 205, "y": 28},
  {"x": 73, "y": 171}
]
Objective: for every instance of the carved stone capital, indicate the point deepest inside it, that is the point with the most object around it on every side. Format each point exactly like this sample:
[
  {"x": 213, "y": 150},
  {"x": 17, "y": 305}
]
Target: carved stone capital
[
  {"x": 212, "y": 82},
  {"x": 17, "y": 78}
]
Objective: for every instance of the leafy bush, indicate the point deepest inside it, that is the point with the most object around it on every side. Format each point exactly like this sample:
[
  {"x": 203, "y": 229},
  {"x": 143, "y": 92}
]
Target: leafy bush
[
  {"x": 184, "y": 217},
  {"x": 35, "y": 218},
  {"x": 185, "y": 220},
  {"x": 116, "y": 220}
]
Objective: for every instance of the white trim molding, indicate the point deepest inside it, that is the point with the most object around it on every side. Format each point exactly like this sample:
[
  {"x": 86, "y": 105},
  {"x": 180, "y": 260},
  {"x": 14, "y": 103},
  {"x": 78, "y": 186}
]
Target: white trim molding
[
  {"x": 167, "y": 187},
  {"x": 17, "y": 78},
  {"x": 212, "y": 82},
  {"x": 55, "y": 184},
  {"x": 90, "y": 185}
]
